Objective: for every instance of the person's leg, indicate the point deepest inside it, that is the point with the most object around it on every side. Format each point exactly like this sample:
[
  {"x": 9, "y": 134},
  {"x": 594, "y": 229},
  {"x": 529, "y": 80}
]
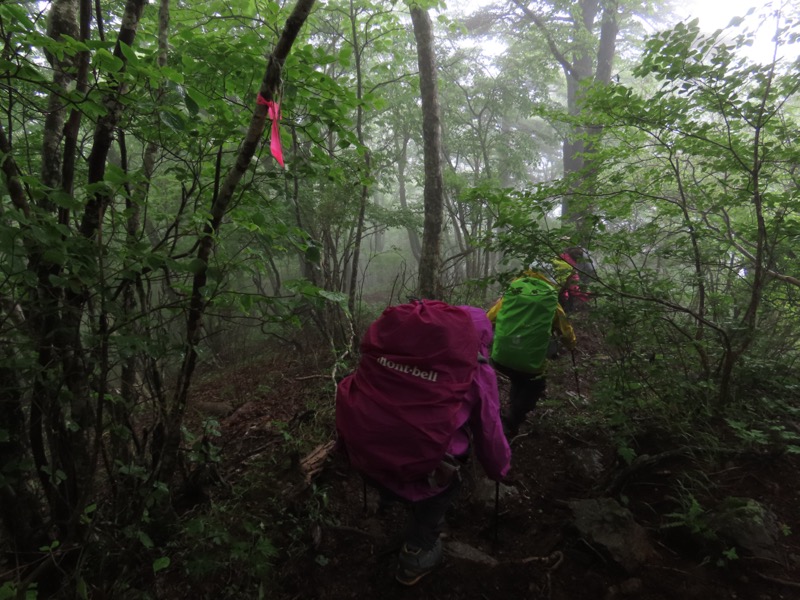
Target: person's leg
[
  {"x": 526, "y": 390},
  {"x": 422, "y": 550},
  {"x": 427, "y": 517}
]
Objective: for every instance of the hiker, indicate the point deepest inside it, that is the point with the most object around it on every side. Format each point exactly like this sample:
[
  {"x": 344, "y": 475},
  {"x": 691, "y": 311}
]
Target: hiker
[
  {"x": 422, "y": 390},
  {"x": 572, "y": 293},
  {"x": 526, "y": 319}
]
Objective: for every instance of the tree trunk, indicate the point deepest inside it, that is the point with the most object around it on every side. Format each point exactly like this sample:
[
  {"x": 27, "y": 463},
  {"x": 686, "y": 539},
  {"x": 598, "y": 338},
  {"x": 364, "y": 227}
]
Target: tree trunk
[
  {"x": 364, "y": 196},
  {"x": 581, "y": 66},
  {"x": 167, "y": 454},
  {"x": 428, "y": 286},
  {"x": 402, "y": 162}
]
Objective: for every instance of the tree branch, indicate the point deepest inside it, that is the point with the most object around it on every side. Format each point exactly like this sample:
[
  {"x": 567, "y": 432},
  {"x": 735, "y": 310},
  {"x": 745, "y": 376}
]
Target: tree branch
[
  {"x": 11, "y": 171},
  {"x": 551, "y": 43}
]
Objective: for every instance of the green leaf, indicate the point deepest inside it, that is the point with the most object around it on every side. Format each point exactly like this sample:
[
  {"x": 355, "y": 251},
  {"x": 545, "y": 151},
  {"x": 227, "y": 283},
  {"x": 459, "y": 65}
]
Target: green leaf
[
  {"x": 81, "y": 590},
  {"x": 54, "y": 256},
  {"x": 8, "y": 591},
  {"x": 160, "y": 564},
  {"x": 191, "y": 105},
  {"x": 313, "y": 254},
  {"x": 344, "y": 55},
  {"x": 173, "y": 75},
  {"x": 198, "y": 98},
  {"x": 173, "y": 120},
  {"x": 337, "y": 297},
  {"x": 65, "y": 200},
  {"x": 145, "y": 539},
  {"x": 128, "y": 53},
  {"x": 18, "y": 15},
  {"x": 197, "y": 266},
  {"x": 105, "y": 60},
  {"x": 115, "y": 175}
]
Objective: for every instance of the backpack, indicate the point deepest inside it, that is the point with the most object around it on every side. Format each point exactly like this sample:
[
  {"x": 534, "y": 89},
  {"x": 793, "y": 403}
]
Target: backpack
[
  {"x": 524, "y": 324},
  {"x": 396, "y": 414}
]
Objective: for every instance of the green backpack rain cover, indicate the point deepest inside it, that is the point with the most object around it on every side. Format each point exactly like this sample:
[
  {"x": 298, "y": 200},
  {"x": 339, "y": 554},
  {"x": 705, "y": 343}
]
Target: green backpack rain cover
[{"x": 524, "y": 324}]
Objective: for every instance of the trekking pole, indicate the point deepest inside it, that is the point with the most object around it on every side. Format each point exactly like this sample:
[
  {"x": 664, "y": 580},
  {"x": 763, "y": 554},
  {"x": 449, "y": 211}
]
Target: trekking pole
[
  {"x": 575, "y": 371},
  {"x": 496, "y": 512}
]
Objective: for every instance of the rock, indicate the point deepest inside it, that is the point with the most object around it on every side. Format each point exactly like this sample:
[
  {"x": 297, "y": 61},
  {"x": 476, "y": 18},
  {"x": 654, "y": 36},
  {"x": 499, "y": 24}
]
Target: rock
[
  {"x": 612, "y": 593},
  {"x": 749, "y": 525},
  {"x": 631, "y": 587},
  {"x": 485, "y": 491},
  {"x": 466, "y": 552},
  {"x": 604, "y": 522},
  {"x": 586, "y": 463}
]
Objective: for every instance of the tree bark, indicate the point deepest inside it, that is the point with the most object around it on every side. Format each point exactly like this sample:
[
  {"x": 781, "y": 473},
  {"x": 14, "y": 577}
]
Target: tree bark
[
  {"x": 583, "y": 65},
  {"x": 104, "y": 130},
  {"x": 364, "y": 196},
  {"x": 401, "y": 148},
  {"x": 430, "y": 258}
]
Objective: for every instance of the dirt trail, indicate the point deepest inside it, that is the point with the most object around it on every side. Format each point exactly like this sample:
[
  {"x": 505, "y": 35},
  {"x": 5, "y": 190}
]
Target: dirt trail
[{"x": 533, "y": 550}]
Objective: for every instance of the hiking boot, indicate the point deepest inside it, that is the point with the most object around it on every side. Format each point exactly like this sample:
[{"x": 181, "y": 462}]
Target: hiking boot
[{"x": 414, "y": 563}]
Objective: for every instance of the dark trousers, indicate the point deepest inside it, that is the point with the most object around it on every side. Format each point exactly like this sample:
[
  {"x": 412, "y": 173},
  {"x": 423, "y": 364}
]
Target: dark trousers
[
  {"x": 426, "y": 517},
  {"x": 526, "y": 390}
]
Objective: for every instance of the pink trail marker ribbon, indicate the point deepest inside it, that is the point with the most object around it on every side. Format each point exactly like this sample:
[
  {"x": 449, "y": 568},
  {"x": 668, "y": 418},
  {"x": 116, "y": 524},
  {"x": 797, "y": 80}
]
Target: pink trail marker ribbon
[{"x": 274, "y": 113}]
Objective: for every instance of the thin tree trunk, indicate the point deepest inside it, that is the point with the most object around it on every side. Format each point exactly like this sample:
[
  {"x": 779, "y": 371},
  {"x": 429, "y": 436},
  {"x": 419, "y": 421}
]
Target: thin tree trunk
[
  {"x": 364, "y": 196},
  {"x": 402, "y": 162},
  {"x": 270, "y": 84},
  {"x": 580, "y": 67},
  {"x": 430, "y": 258}
]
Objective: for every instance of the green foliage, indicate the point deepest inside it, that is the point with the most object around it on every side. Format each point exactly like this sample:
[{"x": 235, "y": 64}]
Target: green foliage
[
  {"x": 689, "y": 205},
  {"x": 693, "y": 516},
  {"x": 9, "y": 590},
  {"x": 201, "y": 448},
  {"x": 96, "y": 316},
  {"x": 224, "y": 542},
  {"x": 526, "y": 228}
]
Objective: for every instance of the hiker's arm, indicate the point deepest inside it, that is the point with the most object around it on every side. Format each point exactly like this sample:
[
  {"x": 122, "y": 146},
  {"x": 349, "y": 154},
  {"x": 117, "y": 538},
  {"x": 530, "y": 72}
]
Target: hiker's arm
[
  {"x": 562, "y": 325},
  {"x": 491, "y": 446}
]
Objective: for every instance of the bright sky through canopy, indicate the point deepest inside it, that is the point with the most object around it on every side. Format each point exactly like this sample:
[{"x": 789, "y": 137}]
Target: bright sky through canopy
[
  {"x": 713, "y": 15},
  {"x": 717, "y": 14}
]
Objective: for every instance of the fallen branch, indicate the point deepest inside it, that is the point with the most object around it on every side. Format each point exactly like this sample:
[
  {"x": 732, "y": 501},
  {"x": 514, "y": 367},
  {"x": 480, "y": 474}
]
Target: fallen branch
[
  {"x": 786, "y": 582},
  {"x": 313, "y": 462},
  {"x": 556, "y": 558}
]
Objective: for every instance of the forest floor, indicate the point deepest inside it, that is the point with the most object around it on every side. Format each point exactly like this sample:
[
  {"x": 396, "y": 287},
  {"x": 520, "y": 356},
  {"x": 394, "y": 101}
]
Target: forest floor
[{"x": 330, "y": 545}]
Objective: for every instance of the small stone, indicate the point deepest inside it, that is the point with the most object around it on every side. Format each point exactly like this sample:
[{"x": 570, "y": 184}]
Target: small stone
[
  {"x": 612, "y": 593},
  {"x": 469, "y": 553},
  {"x": 630, "y": 587}
]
